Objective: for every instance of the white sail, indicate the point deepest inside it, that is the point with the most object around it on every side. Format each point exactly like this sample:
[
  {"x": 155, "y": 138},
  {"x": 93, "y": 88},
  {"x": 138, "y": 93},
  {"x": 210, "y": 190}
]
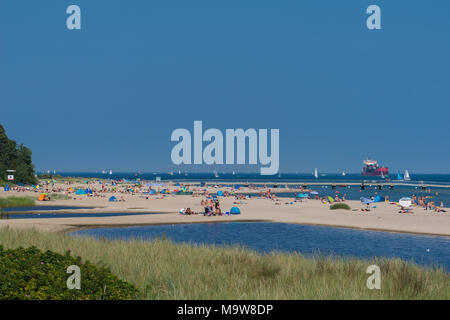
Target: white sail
[
  {"x": 110, "y": 171},
  {"x": 406, "y": 176},
  {"x": 316, "y": 175},
  {"x": 343, "y": 173}
]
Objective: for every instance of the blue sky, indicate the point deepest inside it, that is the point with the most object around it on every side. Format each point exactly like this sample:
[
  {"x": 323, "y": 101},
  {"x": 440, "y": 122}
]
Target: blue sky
[{"x": 109, "y": 95}]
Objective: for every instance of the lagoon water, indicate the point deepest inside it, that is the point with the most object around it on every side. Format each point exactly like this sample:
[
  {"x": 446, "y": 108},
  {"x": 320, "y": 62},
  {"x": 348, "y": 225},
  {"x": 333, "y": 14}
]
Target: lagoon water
[
  {"x": 6, "y": 215},
  {"x": 305, "y": 239},
  {"x": 42, "y": 208}
]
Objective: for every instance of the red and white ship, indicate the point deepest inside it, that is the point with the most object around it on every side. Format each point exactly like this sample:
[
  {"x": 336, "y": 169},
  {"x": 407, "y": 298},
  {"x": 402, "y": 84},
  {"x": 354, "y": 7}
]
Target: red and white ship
[{"x": 373, "y": 169}]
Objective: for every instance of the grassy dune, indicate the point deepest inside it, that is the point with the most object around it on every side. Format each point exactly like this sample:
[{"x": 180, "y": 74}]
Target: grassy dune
[
  {"x": 9, "y": 202},
  {"x": 164, "y": 270}
]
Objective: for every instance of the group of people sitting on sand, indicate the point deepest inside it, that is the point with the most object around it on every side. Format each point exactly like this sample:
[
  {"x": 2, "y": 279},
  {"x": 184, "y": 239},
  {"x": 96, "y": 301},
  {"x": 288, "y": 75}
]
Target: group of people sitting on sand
[
  {"x": 212, "y": 207},
  {"x": 430, "y": 205}
]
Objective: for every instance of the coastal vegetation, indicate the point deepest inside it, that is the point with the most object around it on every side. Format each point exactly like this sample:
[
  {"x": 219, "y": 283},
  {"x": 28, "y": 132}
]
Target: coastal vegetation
[
  {"x": 15, "y": 157},
  {"x": 59, "y": 196},
  {"x": 161, "y": 269},
  {"x": 31, "y": 274},
  {"x": 9, "y": 202},
  {"x": 340, "y": 206}
]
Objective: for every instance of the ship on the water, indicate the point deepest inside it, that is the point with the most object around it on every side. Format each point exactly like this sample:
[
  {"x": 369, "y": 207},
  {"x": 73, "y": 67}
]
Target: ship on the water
[{"x": 373, "y": 169}]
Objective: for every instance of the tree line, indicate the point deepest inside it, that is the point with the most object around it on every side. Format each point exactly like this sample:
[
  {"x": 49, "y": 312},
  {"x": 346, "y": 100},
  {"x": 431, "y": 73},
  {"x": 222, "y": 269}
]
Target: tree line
[{"x": 15, "y": 157}]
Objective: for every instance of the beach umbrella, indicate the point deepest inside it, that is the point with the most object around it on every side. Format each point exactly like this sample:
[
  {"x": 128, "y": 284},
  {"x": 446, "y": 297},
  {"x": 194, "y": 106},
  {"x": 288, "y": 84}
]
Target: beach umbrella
[
  {"x": 235, "y": 210},
  {"x": 220, "y": 193},
  {"x": 330, "y": 199},
  {"x": 182, "y": 211},
  {"x": 314, "y": 192},
  {"x": 405, "y": 202},
  {"x": 112, "y": 199}
]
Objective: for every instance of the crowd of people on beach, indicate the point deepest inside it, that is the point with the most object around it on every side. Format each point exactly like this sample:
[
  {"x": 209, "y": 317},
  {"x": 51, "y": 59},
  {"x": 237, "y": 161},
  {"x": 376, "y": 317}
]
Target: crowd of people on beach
[
  {"x": 428, "y": 205},
  {"x": 211, "y": 205}
]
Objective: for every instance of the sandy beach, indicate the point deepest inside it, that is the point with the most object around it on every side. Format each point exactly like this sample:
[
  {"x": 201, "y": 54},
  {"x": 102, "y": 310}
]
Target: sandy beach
[{"x": 384, "y": 217}]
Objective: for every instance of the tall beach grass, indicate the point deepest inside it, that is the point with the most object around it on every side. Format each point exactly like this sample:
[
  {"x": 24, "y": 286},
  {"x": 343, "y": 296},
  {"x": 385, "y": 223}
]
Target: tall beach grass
[
  {"x": 13, "y": 201},
  {"x": 162, "y": 269}
]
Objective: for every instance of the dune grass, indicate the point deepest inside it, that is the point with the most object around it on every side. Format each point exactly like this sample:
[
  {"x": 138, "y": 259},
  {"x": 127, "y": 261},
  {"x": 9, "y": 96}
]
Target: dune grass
[
  {"x": 162, "y": 269},
  {"x": 59, "y": 196},
  {"x": 13, "y": 201}
]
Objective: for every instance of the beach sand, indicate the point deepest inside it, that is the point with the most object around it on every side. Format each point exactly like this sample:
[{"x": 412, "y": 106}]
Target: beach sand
[{"x": 384, "y": 217}]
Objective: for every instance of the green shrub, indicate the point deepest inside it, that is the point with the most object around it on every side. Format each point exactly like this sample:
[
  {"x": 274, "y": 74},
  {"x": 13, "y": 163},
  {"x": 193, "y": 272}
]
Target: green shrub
[
  {"x": 340, "y": 206},
  {"x": 59, "y": 196},
  {"x": 9, "y": 202},
  {"x": 32, "y": 274}
]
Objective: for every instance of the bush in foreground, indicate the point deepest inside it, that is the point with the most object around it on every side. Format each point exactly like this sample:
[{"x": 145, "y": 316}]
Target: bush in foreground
[
  {"x": 340, "y": 206},
  {"x": 32, "y": 274}
]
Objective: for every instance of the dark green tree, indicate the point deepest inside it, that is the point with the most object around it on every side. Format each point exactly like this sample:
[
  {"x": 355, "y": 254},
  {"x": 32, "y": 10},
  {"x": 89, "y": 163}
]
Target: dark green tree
[{"x": 15, "y": 158}]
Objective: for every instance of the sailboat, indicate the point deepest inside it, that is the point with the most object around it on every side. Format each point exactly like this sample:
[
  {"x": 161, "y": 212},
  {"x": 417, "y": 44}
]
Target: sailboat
[
  {"x": 343, "y": 173},
  {"x": 399, "y": 176},
  {"x": 406, "y": 176},
  {"x": 110, "y": 171},
  {"x": 216, "y": 174},
  {"x": 316, "y": 175}
]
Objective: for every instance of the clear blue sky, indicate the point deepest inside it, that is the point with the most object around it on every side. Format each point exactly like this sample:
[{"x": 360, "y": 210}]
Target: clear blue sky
[{"x": 110, "y": 95}]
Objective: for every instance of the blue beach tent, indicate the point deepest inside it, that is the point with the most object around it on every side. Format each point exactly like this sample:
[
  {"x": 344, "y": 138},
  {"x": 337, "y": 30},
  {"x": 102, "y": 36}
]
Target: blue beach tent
[
  {"x": 220, "y": 193},
  {"x": 80, "y": 191},
  {"x": 152, "y": 191},
  {"x": 302, "y": 195},
  {"x": 235, "y": 210},
  {"x": 112, "y": 199}
]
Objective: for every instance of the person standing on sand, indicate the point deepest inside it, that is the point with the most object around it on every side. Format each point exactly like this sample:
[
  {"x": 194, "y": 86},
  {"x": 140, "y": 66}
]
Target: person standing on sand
[{"x": 217, "y": 205}]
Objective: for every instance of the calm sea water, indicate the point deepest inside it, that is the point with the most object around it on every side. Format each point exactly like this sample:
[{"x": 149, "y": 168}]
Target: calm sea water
[
  {"x": 308, "y": 240},
  {"x": 253, "y": 177}
]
